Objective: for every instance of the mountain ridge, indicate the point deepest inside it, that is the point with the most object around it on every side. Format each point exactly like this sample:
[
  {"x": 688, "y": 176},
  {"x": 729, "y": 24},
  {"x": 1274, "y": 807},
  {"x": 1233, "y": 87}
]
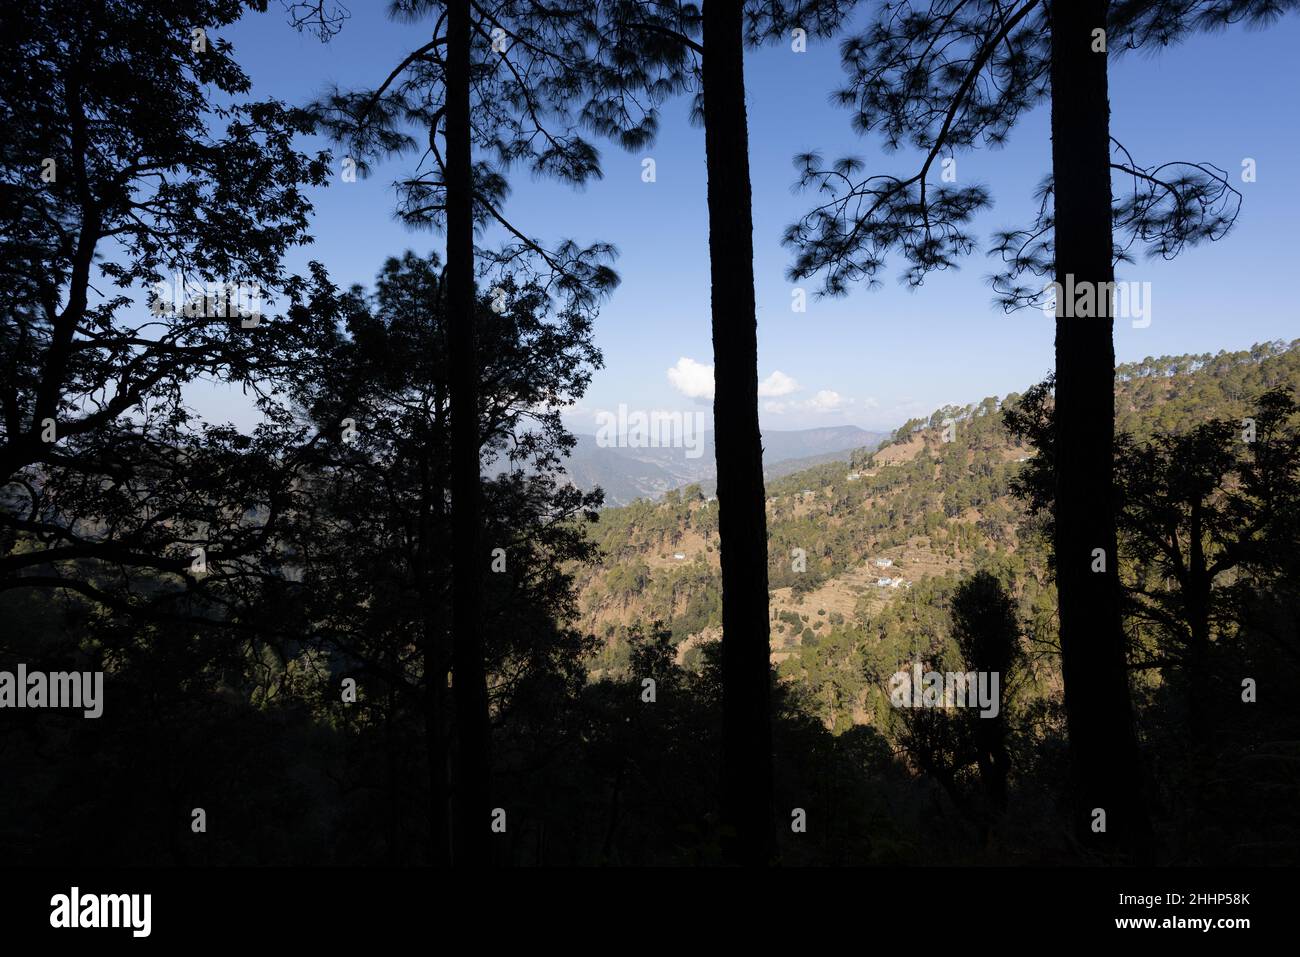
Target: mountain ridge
[{"x": 630, "y": 473}]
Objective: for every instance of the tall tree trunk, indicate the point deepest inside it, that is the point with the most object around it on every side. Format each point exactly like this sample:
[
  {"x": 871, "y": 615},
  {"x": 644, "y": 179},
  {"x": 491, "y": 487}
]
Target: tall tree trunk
[
  {"x": 432, "y": 521},
  {"x": 1197, "y": 664},
  {"x": 1197, "y": 592},
  {"x": 392, "y": 843},
  {"x": 1103, "y": 748},
  {"x": 435, "y": 741},
  {"x": 469, "y": 684},
  {"x": 742, "y": 521}
]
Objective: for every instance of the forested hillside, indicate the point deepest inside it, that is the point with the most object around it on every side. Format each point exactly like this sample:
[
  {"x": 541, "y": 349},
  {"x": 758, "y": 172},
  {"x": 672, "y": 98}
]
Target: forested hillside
[{"x": 935, "y": 502}]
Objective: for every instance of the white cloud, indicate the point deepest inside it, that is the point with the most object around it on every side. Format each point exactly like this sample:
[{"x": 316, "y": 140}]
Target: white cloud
[
  {"x": 692, "y": 379},
  {"x": 778, "y": 383},
  {"x": 695, "y": 381},
  {"x": 823, "y": 402},
  {"x": 827, "y": 400}
]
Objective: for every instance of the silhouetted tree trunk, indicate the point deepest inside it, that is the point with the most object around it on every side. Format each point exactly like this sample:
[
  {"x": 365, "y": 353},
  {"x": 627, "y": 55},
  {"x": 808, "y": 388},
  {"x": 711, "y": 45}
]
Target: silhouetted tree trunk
[
  {"x": 392, "y": 827},
  {"x": 469, "y": 683},
  {"x": 1197, "y": 601},
  {"x": 1103, "y": 747},
  {"x": 742, "y": 522},
  {"x": 1197, "y": 663},
  {"x": 435, "y": 736},
  {"x": 433, "y": 649}
]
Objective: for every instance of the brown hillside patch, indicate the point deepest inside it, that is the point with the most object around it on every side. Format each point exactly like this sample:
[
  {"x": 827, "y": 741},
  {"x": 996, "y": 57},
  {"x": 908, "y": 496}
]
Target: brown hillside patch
[
  {"x": 689, "y": 543},
  {"x": 914, "y": 562},
  {"x": 903, "y": 452}
]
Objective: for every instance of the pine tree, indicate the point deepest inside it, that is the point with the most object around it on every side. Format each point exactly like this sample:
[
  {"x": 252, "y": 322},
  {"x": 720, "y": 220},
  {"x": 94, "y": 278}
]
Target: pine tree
[
  {"x": 503, "y": 81},
  {"x": 650, "y": 47},
  {"x": 948, "y": 76}
]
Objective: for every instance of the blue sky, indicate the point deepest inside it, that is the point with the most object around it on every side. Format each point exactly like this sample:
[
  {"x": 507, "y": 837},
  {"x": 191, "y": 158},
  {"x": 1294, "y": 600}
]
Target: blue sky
[{"x": 876, "y": 357}]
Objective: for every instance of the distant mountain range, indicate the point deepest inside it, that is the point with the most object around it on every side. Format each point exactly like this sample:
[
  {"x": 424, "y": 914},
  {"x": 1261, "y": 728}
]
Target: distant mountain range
[{"x": 627, "y": 474}]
